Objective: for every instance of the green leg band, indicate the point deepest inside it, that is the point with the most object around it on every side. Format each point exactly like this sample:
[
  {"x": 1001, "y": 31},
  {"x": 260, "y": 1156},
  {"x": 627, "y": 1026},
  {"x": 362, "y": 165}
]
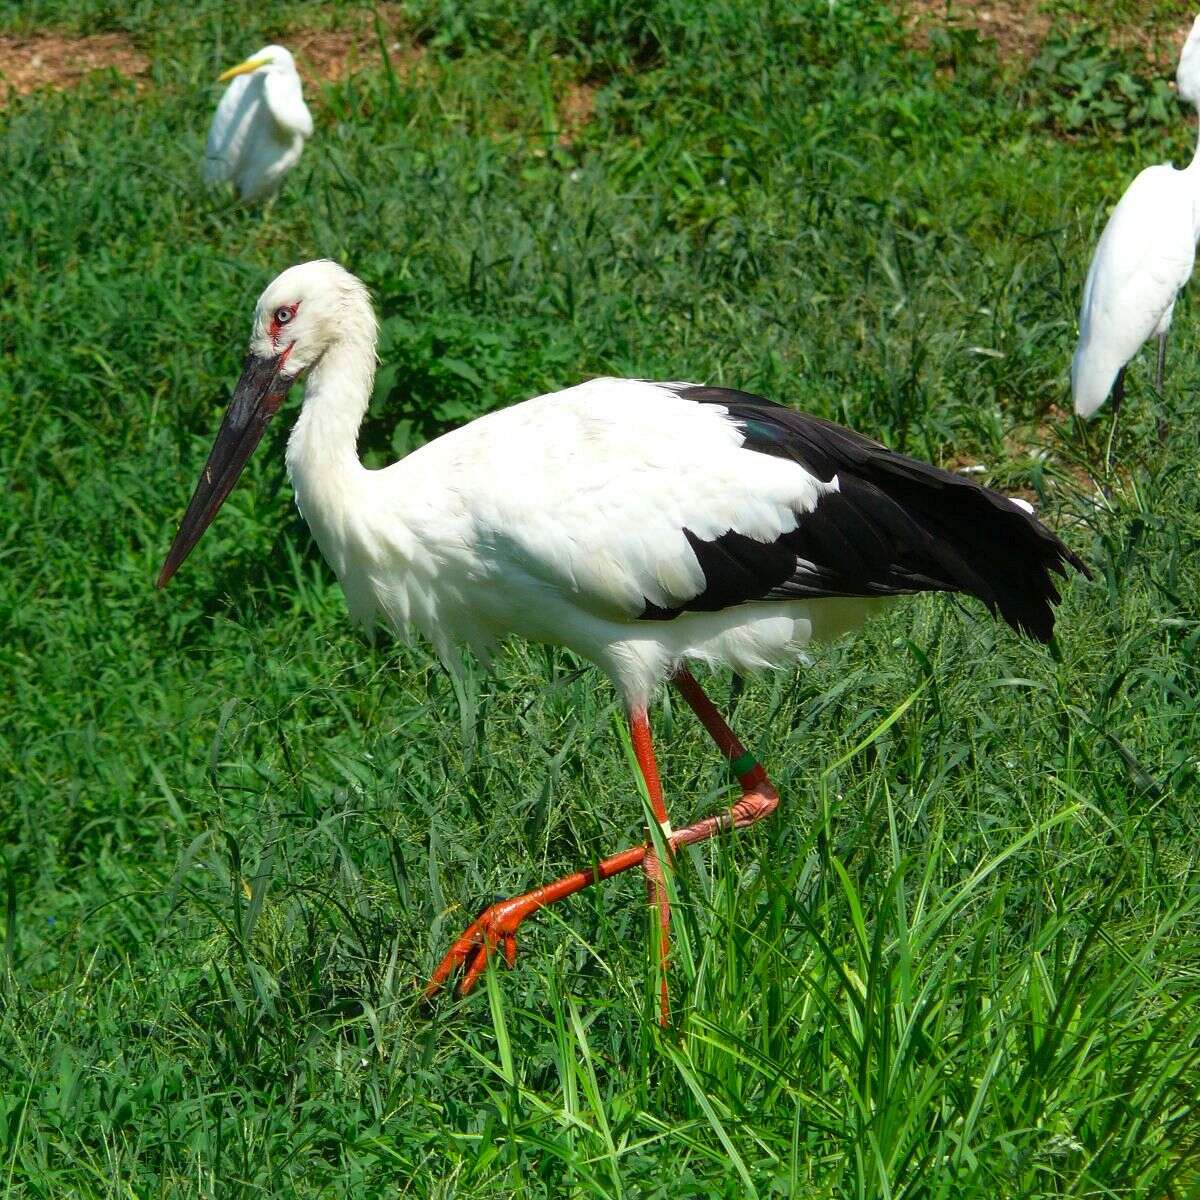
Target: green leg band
[{"x": 740, "y": 766}]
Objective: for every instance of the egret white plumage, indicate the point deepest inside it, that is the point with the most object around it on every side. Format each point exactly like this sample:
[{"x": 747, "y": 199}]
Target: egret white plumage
[
  {"x": 1143, "y": 259},
  {"x": 260, "y": 126},
  {"x": 647, "y": 526}
]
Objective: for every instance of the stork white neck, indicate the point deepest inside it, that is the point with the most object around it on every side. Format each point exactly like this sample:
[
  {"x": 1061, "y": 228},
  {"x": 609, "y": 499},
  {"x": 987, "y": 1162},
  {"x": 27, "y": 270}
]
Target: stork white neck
[{"x": 322, "y": 450}]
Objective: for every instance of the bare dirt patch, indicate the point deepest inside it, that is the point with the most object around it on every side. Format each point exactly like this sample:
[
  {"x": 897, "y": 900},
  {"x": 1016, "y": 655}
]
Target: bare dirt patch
[
  {"x": 49, "y": 60},
  {"x": 1017, "y": 28},
  {"x": 352, "y": 43},
  {"x": 332, "y": 54},
  {"x": 1160, "y": 44},
  {"x": 1046, "y": 440},
  {"x": 576, "y": 107}
]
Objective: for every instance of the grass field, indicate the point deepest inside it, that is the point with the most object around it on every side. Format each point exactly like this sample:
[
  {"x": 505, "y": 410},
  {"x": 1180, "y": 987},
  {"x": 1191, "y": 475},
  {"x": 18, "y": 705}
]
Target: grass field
[{"x": 962, "y": 961}]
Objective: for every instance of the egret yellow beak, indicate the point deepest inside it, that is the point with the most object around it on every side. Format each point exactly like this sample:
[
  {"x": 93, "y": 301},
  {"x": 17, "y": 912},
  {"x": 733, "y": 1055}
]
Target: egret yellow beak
[{"x": 251, "y": 64}]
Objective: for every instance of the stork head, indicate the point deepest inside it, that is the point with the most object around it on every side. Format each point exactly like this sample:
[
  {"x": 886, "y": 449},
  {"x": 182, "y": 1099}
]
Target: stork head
[
  {"x": 1187, "y": 77},
  {"x": 269, "y": 58},
  {"x": 303, "y": 314}
]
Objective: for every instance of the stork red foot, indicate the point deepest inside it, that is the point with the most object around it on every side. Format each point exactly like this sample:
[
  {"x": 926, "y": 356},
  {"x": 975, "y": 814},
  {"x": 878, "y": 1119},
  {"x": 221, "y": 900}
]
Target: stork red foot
[{"x": 495, "y": 928}]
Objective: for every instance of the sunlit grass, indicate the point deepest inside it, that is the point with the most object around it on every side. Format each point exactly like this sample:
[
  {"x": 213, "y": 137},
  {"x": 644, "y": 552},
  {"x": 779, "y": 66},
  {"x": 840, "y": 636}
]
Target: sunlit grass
[{"x": 963, "y": 958}]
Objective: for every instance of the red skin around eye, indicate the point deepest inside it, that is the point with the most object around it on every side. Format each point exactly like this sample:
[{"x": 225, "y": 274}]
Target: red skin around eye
[{"x": 274, "y": 328}]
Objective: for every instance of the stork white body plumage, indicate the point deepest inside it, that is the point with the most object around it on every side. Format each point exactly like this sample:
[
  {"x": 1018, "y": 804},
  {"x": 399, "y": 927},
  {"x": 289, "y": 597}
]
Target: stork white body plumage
[
  {"x": 1143, "y": 259},
  {"x": 644, "y": 525},
  {"x": 558, "y": 520},
  {"x": 260, "y": 126}
]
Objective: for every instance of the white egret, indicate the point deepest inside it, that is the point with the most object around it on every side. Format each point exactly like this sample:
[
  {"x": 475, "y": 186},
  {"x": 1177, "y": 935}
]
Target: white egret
[
  {"x": 1144, "y": 257},
  {"x": 260, "y": 126},
  {"x": 647, "y": 526}
]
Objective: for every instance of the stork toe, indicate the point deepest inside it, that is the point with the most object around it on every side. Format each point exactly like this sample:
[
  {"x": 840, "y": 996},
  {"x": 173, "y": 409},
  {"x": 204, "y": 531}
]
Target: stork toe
[{"x": 495, "y": 928}]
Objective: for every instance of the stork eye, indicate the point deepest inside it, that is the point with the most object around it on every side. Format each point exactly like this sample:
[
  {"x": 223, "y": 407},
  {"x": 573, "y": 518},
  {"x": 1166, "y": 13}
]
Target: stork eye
[{"x": 284, "y": 315}]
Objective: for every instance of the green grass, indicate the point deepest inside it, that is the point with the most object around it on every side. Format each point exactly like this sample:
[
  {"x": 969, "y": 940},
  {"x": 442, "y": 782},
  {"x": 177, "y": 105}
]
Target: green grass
[{"x": 962, "y": 961}]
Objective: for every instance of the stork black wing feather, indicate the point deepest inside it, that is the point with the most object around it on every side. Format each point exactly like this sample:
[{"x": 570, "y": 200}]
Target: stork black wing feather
[{"x": 893, "y": 525}]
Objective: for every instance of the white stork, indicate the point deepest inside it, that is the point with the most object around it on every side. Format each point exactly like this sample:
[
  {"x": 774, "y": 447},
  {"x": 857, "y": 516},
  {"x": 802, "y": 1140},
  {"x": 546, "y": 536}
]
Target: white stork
[
  {"x": 645, "y": 525},
  {"x": 260, "y": 126},
  {"x": 1144, "y": 257}
]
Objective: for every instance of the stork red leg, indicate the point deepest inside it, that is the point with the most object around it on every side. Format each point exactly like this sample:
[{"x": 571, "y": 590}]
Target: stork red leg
[
  {"x": 759, "y": 797},
  {"x": 656, "y": 888},
  {"x": 495, "y": 929}
]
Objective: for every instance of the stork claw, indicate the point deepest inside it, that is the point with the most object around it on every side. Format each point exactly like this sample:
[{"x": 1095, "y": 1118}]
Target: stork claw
[{"x": 494, "y": 929}]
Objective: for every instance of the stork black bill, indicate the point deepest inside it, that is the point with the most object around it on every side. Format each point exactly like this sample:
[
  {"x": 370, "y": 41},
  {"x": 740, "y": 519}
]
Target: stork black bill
[{"x": 259, "y": 393}]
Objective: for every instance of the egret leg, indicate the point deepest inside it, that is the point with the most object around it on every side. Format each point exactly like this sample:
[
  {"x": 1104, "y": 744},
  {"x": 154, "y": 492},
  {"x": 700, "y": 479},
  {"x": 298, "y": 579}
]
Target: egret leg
[
  {"x": 1158, "y": 383},
  {"x": 495, "y": 929},
  {"x": 1118, "y": 394}
]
